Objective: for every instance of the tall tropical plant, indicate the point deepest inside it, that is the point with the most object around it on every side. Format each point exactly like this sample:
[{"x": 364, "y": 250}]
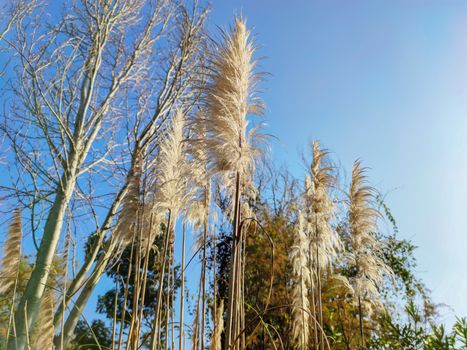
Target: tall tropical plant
[{"x": 171, "y": 196}]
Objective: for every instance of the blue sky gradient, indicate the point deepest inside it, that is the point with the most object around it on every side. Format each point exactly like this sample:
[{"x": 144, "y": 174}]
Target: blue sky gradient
[{"x": 384, "y": 81}]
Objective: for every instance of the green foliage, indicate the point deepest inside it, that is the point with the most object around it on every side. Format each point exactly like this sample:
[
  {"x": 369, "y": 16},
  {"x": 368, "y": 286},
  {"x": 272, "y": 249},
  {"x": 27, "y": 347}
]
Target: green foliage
[
  {"x": 119, "y": 272},
  {"x": 460, "y": 330},
  {"x": 94, "y": 336},
  {"x": 416, "y": 335}
]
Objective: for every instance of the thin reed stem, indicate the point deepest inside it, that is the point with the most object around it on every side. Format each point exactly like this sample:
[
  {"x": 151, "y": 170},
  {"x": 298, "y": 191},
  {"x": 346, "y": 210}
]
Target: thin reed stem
[
  {"x": 182, "y": 292},
  {"x": 360, "y": 319},
  {"x": 156, "y": 329},
  {"x": 114, "y": 320},
  {"x": 125, "y": 296},
  {"x": 232, "y": 311}
]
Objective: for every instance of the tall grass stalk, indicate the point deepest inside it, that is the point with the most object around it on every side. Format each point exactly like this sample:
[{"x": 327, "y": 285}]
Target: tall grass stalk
[
  {"x": 366, "y": 249},
  {"x": 145, "y": 277},
  {"x": 132, "y": 337},
  {"x": 299, "y": 255},
  {"x": 199, "y": 210},
  {"x": 156, "y": 331},
  {"x": 182, "y": 292},
  {"x": 125, "y": 296},
  {"x": 171, "y": 196},
  {"x": 231, "y": 144},
  {"x": 324, "y": 241},
  {"x": 114, "y": 319},
  {"x": 195, "y": 328},
  {"x": 218, "y": 324}
]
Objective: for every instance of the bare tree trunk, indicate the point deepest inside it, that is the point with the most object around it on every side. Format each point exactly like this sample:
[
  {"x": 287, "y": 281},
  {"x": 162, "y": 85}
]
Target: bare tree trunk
[
  {"x": 29, "y": 304},
  {"x": 78, "y": 280},
  {"x": 67, "y": 93}
]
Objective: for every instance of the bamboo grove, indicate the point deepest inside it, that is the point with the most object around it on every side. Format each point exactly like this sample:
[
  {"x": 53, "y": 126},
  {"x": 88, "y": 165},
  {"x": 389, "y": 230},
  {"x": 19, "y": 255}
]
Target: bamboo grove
[{"x": 139, "y": 160}]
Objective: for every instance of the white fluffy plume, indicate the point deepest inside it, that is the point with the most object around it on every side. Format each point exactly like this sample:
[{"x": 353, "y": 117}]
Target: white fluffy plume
[
  {"x": 45, "y": 326},
  {"x": 11, "y": 255},
  {"x": 125, "y": 230},
  {"x": 198, "y": 209},
  {"x": 172, "y": 171},
  {"x": 319, "y": 210},
  {"x": 366, "y": 249},
  {"x": 233, "y": 145}
]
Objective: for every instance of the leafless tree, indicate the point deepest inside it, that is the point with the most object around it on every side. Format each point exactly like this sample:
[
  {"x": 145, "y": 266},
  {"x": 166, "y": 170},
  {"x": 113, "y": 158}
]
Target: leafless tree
[{"x": 91, "y": 92}]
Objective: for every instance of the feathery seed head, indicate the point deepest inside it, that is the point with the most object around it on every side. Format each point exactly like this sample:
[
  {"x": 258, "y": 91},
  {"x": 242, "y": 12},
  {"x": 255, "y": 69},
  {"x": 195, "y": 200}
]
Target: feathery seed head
[
  {"x": 198, "y": 209},
  {"x": 319, "y": 209},
  {"x": 45, "y": 325},
  {"x": 131, "y": 207},
  {"x": 11, "y": 255},
  {"x": 173, "y": 171},
  {"x": 232, "y": 145},
  {"x": 366, "y": 249}
]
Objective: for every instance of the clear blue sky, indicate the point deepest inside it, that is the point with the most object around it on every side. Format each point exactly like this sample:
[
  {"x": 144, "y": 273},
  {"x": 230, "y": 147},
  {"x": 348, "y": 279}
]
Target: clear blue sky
[{"x": 384, "y": 81}]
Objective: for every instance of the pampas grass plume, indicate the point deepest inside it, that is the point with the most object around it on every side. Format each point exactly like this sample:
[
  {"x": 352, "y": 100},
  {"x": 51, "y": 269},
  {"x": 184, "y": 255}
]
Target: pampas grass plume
[
  {"x": 11, "y": 254},
  {"x": 366, "y": 249},
  {"x": 232, "y": 145},
  {"x": 45, "y": 326}
]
